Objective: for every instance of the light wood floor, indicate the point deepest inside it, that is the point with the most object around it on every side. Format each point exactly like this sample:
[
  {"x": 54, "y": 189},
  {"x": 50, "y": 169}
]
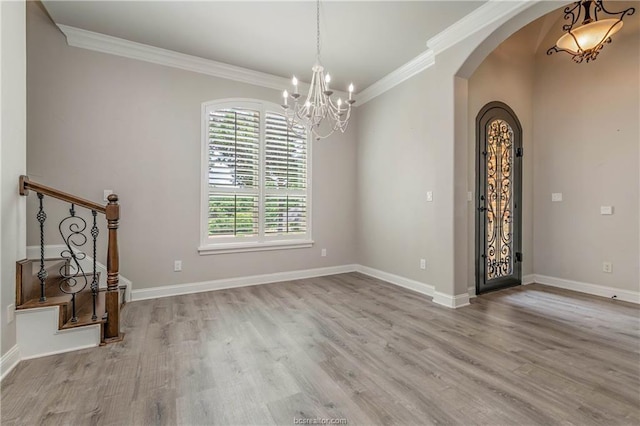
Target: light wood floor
[{"x": 346, "y": 347}]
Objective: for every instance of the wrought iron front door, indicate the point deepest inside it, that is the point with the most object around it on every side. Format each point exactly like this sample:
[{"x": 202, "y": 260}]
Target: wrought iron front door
[{"x": 499, "y": 183}]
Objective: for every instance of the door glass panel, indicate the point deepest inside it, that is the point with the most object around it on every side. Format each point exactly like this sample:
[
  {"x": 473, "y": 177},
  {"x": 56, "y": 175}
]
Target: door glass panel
[{"x": 499, "y": 196}]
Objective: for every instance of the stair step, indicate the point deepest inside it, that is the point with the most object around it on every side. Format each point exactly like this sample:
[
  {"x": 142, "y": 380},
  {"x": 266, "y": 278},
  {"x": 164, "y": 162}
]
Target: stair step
[
  {"x": 84, "y": 312},
  {"x": 51, "y": 301},
  {"x": 28, "y": 285}
]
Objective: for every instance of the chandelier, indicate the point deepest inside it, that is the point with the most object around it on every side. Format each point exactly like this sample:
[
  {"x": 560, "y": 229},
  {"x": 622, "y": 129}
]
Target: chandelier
[
  {"x": 318, "y": 113},
  {"x": 585, "y": 42}
]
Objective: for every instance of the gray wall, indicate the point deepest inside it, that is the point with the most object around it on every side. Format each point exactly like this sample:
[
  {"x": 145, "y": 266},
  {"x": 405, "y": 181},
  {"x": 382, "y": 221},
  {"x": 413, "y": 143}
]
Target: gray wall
[
  {"x": 587, "y": 137},
  {"x": 98, "y": 121},
  {"x": 12, "y": 157},
  {"x": 404, "y": 149},
  {"x": 397, "y": 165},
  {"x": 580, "y": 134}
]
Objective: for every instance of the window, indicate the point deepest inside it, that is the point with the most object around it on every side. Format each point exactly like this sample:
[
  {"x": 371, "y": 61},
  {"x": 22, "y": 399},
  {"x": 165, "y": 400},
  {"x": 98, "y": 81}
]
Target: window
[{"x": 255, "y": 185}]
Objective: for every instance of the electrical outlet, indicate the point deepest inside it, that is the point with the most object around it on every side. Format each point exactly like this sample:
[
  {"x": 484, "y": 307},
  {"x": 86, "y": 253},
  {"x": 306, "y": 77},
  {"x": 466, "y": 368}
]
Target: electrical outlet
[
  {"x": 607, "y": 267},
  {"x": 11, "y": 313},
  {"x": 556, "y": 196},
  {"x": 177, "y": 266},
  {"x": 323, "y": 252},
  {"x": 606, "y": 210},
  {"x": 429, "y": 196},
  {"x": 107, "y": 192},
  {"x": 423, "y": 263}
]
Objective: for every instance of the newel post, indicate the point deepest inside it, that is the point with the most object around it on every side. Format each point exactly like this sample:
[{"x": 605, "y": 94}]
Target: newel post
[{"x": 112, "y": 302}]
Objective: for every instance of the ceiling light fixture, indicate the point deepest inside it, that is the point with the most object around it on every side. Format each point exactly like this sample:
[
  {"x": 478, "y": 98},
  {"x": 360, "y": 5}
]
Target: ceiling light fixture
[
  {"x": 318, "y": 113},
  {"x": 585, "y": 42}
]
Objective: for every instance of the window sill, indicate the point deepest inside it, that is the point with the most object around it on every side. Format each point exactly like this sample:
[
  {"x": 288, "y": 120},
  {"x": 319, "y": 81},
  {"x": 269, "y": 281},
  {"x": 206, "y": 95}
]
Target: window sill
[{"x": 254, "y": 246}]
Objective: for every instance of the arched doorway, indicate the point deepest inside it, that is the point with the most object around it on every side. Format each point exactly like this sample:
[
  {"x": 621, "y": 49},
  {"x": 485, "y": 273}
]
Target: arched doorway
[{"x": 499, "y": 188}]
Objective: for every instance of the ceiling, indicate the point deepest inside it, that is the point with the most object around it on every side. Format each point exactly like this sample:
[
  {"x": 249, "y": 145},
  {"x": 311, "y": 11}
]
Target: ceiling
[{"x": 362, "y": 41}]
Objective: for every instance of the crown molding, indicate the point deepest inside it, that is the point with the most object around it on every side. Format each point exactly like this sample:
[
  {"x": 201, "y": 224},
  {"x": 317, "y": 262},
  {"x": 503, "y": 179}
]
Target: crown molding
[
  {"x": 487, "y": 14},
  {"x": 103, "y": 43},
  {"x": 408, "y": 70}
]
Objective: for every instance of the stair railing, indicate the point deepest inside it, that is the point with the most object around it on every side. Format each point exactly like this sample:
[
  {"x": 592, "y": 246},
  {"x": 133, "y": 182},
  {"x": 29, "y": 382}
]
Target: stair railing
[{"x": 72, "y": 228}]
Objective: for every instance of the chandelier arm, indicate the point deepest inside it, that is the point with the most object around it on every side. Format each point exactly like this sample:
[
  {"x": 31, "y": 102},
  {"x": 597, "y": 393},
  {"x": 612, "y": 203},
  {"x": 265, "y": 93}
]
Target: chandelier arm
[
  {"x": 627, "y": 12},
  {"x": 569, "y": 14},
  {"x": 318, "y": 106}
]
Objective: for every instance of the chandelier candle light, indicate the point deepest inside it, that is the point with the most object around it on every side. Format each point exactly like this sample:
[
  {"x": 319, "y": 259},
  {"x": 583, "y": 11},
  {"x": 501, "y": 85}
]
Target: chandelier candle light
[
  {"x": 318, "y": 113},
  {"x": 585, "y": 42}
]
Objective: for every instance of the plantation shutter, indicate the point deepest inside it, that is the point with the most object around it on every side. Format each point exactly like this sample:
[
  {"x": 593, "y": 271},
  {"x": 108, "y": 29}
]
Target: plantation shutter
[
  {"x": 234, "y": 172},
  {"x": 285, "y": 177}
]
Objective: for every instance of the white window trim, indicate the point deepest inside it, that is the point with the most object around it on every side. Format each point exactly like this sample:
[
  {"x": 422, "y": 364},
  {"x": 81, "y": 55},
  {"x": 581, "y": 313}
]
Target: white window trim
[{"x": 259, "y": 243}]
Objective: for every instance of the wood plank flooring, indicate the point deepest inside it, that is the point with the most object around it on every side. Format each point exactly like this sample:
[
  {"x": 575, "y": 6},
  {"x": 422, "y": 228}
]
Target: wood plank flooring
[{"x": 346, "y": 347}]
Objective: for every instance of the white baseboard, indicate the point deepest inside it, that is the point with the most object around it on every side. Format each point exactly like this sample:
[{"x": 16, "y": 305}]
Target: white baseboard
[
  {"x": 594, "y": 289},
  {"x": 397, "y": 280},
  {"x": 457, "y": 301},
  {"x": 38, "y": 335},
  {"x": 9, "y": 361},
  {"x": 199, "y": 287},
  {"x": 54, "y": 250}
]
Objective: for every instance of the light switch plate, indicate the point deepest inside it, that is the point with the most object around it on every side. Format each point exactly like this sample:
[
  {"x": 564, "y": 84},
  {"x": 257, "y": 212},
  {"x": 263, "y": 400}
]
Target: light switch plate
[
  {"x": 606, "y": 209},
  {"x": 469, "y": 196},
  {"x": 556, "y": 196},
  {"x": 429, "y": 196}
]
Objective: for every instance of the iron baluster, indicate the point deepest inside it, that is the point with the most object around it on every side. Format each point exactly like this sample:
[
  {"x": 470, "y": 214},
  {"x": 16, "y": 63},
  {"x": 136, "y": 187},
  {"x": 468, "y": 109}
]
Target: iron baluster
[
  {"x": 42, "y": 274},
  {"x": 74, "y": 280},
  {"x": 94, "y": 283}
]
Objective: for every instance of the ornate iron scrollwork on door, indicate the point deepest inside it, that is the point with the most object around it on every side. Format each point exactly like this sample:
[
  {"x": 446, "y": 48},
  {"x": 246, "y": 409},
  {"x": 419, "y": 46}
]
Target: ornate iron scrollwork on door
[
  {"x": 499, "y": 199},
  {"x": 499, "y": 182}
]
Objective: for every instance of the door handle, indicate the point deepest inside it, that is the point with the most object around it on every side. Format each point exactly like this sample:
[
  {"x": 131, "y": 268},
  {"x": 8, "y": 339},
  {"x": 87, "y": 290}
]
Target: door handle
[{"x": 481, "y": 209}]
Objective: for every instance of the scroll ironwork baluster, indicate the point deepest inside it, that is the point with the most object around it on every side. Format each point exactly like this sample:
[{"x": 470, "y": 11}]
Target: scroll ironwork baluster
[
  {"x": 94, "y": 283},
  {"x": 42, "y": 273},
  {"x": 74, "y": 280}
]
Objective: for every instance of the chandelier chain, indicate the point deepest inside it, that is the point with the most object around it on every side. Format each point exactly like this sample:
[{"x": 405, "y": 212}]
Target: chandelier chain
[{"x": 318, "y": 30}]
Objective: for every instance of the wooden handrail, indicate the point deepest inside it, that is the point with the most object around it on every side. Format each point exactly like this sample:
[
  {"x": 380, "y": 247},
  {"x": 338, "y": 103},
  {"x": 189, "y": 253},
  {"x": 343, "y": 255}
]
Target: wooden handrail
[{"x": 26, "y": 185}]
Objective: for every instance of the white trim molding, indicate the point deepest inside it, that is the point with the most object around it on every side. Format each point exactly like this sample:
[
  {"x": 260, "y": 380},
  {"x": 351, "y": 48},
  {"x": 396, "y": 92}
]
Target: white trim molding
[
  {"x": 228, "y": 283},
  {"x": 457, "y": 301},
  {"x": 407, "y": 283},
  {"x": 9, "y": 361},
  {"x": 222, "y": 284},
  {"x": 391, "y": 80},
  {"x": 103, "y": 43},
  {"x": 485, "y": 15},
  {"x": 593, "y": 289}
]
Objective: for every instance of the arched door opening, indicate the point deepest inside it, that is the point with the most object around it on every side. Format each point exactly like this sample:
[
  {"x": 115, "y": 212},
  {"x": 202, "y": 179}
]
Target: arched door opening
[{"x": 499, "y": 189}]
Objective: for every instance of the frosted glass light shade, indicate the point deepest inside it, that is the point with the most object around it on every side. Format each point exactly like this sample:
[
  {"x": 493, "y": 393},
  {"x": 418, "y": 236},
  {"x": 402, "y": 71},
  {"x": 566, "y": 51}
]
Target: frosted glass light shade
[{"x": 589, "y": 35}]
